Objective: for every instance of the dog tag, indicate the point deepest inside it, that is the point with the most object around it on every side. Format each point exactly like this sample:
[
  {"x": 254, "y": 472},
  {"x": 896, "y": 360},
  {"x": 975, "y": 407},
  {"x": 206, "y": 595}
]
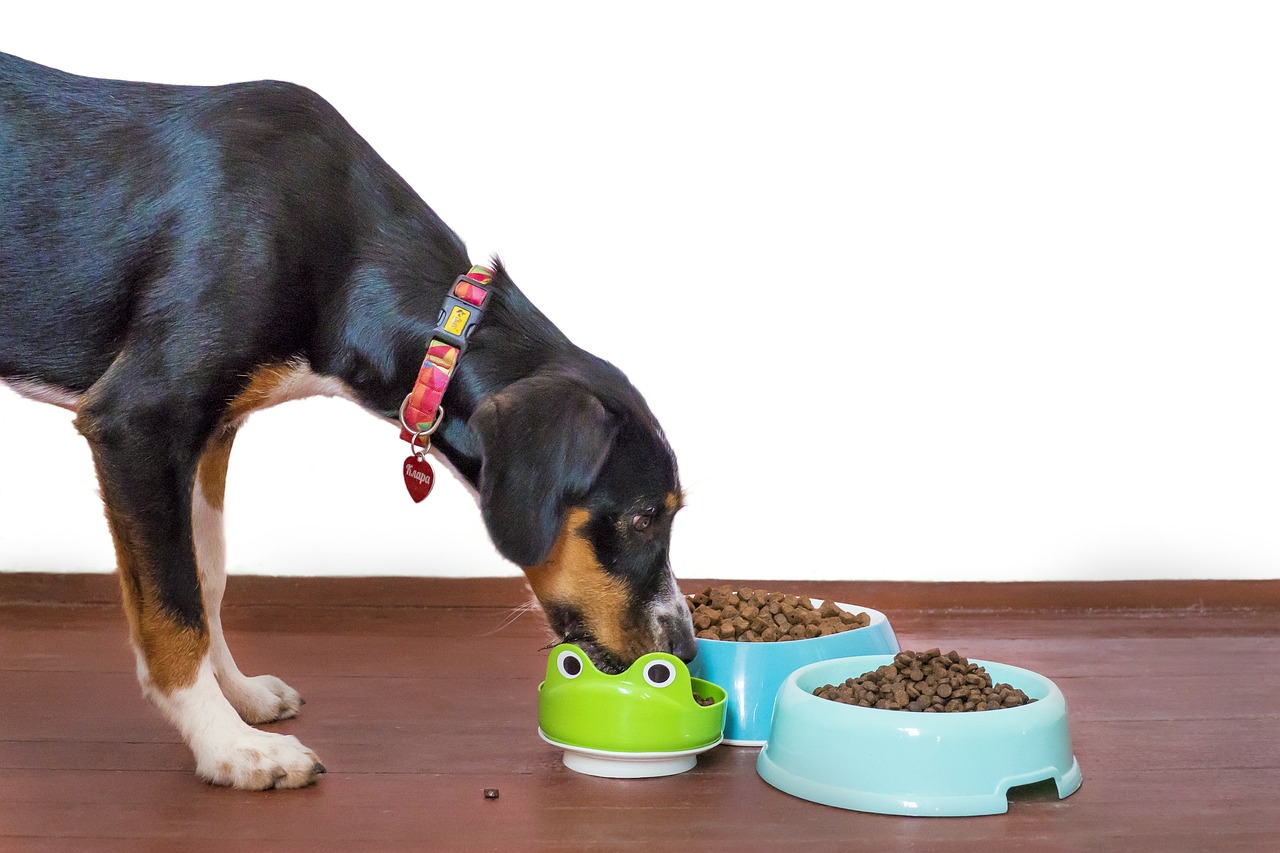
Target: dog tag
[{"x": 418, "y": 478}]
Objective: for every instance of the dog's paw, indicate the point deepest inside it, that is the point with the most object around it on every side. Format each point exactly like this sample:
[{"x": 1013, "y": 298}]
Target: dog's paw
[
  {"x": 255, "y": 761},
  {"x": 261, "y": 698}
]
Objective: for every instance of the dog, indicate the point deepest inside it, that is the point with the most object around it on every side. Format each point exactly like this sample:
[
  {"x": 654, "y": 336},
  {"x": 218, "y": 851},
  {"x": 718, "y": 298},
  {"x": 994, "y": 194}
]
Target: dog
[{"x": 174, "y": 258}]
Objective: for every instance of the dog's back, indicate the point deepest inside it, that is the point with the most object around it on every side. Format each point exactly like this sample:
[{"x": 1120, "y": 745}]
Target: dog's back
[
  {"x": 77, "y": 231},
  {"x": 129, "y": 208}
]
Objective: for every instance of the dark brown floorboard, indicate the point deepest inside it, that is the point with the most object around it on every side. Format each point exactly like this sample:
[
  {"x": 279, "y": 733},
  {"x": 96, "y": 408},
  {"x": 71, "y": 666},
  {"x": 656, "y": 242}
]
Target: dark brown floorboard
[{"x": 416, "y": 707}]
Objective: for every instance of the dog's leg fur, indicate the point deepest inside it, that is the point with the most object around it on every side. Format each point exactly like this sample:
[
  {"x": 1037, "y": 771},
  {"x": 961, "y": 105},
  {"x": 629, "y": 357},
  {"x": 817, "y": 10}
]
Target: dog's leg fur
[
  {"x": 125, "y": 417},
  {"x": 258, "y": 699}
]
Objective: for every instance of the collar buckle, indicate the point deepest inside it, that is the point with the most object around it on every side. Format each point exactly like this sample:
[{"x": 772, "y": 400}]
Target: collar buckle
[{"x": 461, "y": 313}]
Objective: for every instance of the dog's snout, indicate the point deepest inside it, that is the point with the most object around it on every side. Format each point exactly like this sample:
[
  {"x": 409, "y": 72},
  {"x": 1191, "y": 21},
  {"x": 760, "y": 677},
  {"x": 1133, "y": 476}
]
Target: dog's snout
[{"x": 679, "y": 637}]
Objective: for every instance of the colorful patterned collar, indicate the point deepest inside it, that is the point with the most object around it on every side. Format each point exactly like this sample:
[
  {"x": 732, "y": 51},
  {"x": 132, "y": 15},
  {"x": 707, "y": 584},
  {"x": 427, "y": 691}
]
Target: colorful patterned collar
[{"x": 421, "y": 412}]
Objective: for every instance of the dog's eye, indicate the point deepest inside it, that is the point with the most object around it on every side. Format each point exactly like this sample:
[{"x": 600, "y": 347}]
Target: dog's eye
[
  {"x": 659, "y": 673},
  {"x": 642, "y": 521},
  {"x": 569, "y": 664}
]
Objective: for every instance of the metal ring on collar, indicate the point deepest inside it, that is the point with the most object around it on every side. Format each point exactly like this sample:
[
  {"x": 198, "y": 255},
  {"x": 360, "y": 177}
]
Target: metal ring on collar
[{"x": 435, "y": 423}]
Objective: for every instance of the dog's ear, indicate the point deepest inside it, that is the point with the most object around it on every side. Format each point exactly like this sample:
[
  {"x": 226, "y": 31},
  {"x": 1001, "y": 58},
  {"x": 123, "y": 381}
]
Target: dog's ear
[{"x": 543, "y": 440}]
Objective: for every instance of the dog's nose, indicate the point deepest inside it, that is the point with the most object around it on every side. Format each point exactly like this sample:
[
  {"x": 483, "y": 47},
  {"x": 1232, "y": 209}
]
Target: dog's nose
[{"x": 680, "y": 640}]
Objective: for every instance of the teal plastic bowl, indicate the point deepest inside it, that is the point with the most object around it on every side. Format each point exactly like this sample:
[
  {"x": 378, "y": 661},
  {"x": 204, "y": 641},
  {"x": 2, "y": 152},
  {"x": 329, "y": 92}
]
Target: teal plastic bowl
[
  {"x": 751, "y": 673},
  {"x": 908, "y": 763}
]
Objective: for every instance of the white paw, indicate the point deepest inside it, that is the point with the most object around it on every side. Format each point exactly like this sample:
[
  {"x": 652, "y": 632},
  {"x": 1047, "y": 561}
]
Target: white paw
[
  {"x": 261, "y": 699},
  {"x": 255, "y": 761}
]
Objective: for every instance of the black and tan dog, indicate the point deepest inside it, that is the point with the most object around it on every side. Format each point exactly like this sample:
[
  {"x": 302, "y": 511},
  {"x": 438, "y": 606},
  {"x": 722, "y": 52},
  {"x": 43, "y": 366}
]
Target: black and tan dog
[{"x": 175, "y": 258}]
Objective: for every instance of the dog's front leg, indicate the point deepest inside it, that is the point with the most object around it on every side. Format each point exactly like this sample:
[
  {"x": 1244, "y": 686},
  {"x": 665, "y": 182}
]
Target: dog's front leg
[
  {"x": 260, "y": 698},
  {"x": 146, "y": 466}
]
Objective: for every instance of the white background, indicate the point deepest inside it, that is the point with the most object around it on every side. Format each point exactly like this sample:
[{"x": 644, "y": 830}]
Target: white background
[{"x": 938, "y": 292}]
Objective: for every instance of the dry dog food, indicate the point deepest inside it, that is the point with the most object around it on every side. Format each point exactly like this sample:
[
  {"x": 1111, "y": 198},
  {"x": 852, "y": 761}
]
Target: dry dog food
[
  {"x": 926, "y": 681},
  {"x": 703, "y": 700},
  {"x": 750, "y": 616}
]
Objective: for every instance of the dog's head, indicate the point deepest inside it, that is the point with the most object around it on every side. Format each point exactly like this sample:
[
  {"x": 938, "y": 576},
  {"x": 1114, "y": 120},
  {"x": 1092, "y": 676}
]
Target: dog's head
[{"x": 578, "y": 487}]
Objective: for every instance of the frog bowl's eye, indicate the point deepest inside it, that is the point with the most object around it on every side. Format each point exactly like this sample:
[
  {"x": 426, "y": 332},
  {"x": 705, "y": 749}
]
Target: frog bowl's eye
[
  {"x": 569, "y": 664},
  {"x": 659, "y": 673}
]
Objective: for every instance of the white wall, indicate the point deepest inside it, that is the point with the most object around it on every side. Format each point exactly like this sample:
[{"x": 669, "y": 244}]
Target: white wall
[{"x": 938, "y": 292}]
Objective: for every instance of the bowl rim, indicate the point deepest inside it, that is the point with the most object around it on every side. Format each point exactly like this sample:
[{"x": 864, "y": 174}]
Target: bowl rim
[
  {"x": 710, "y": 687},
  {"x": 716, "y": 691},
  {"x": 1052, "y": 698},
  {"x": 623, "y": 755},
  {"x": 876, "y": 618}
]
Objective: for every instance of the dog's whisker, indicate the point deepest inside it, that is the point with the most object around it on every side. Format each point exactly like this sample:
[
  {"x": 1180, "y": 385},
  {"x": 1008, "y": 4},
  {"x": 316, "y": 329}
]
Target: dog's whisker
[{"x": 512, "y": 615}]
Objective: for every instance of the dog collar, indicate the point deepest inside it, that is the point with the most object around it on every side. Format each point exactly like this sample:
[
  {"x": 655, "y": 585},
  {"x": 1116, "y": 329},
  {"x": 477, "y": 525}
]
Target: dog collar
[{"x": 463, "y": 308}]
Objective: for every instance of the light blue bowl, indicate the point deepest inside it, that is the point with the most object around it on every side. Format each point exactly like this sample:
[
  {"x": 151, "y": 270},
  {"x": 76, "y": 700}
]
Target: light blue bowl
[
  {"x": 909, "y": 763},
  {"x": 751, "y": 673}
]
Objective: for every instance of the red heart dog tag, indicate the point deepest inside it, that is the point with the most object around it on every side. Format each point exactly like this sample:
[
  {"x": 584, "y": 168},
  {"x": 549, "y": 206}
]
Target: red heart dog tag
[{"x": 418, "y": 478}]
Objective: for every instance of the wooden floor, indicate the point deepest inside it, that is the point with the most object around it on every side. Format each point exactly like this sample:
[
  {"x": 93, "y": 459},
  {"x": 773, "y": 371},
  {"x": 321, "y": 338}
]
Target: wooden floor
[{"x": 421, "y": 694}]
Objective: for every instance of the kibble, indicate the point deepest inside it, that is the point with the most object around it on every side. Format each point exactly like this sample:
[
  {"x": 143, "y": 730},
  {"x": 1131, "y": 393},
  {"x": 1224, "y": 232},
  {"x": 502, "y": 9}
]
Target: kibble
[
  {"x": 929, "y": 682},
  {"x": 751, "y": 616},
  {"x": 703, "y": 700}
]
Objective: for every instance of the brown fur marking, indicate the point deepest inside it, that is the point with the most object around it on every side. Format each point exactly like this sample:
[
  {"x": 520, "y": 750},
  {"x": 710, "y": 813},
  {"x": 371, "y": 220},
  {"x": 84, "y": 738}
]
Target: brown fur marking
[
  {"x": 263, "y": 384},
  {"x": 572, "y": 575},
  {"x": 212, "y": 472},
  {"x": 173, "y": 652}
]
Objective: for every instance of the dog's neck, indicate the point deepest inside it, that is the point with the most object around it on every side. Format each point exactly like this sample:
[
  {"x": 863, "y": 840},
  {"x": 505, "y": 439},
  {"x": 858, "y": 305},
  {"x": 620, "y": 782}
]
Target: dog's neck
[
  {"x": 392, "y": 301},
  {"x": 515, "y": 341}
]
